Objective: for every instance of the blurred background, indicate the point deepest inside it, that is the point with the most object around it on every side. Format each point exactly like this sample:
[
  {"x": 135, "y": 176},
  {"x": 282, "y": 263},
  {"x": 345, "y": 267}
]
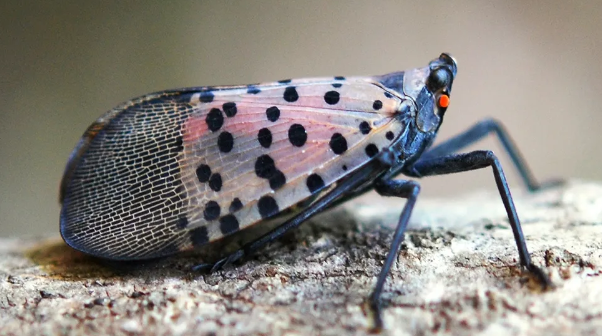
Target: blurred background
[{"x": 536, "y": 65}]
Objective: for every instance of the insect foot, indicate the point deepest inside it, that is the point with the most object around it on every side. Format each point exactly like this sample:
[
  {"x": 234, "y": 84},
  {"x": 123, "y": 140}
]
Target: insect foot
[
  {"x": 542, "y": 277},
  {"x": 372, "y": 309},
  {"x": 550, "y": 184}
]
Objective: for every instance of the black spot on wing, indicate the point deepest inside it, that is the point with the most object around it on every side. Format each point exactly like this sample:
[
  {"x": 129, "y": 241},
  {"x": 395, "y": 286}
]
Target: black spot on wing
[
  {"x": 267, "y": 206},
  {"x": 277, "y": 180},
  {"x": 314, "y": 183},
  {"x": 332, "y": 97},
  {"x": 265, "y": 166},
  {"x": 297, "y": 135},
  {"x": 273, "y": 113},
  {"x": 371, "y": 150},
  {"x": 225, "y": 142},
  {"x": 235, "y": 205},
  {"x": 215, "y": 182},
  {"x": 338, "y": 143},
  {"x": 214, "y": 119},
  {"x": 264, "y": 136},
  {"x": 203, "y": 172},
  {"x": 228, "y": 224},
  {"x": 365, "y": 127},
  {"x": 212, "y": 211},
  {"x": 290, "y": 94},
  {"x": 230, "y": 109}
]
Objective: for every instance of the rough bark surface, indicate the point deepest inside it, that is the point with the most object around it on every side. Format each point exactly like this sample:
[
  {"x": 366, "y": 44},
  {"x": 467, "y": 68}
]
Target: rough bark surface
[{"x": 457, "y": 273}]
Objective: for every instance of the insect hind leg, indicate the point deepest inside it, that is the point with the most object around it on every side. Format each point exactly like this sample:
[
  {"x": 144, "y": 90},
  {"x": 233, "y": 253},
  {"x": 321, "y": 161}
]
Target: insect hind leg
[
  {"x": 461, "y": 141},
  {"x": 456, "y": 163},
  {"x": 478, "y": 132}
]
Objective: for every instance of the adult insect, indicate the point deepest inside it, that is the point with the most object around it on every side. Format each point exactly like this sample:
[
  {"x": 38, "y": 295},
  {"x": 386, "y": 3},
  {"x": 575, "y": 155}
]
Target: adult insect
[{"x": 179, "y": 169}]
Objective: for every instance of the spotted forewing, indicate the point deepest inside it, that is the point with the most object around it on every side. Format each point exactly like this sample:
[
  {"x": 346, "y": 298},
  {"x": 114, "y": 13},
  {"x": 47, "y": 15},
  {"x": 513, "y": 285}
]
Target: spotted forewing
[{"x": 182, "y": 168}]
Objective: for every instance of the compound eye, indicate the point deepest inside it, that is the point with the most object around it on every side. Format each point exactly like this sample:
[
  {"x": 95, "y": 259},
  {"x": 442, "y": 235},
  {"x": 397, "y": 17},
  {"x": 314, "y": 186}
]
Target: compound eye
[{"x": 440, "y": 78}]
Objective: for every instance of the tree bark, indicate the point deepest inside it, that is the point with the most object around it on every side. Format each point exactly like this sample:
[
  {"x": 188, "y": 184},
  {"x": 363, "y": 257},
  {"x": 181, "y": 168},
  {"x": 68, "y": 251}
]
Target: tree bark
[{"x": 457, "y": 273}]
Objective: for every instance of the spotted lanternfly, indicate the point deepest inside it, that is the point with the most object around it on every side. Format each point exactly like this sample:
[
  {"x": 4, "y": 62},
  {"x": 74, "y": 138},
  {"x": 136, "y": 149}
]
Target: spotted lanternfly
[{"x": 179, "y": 169}]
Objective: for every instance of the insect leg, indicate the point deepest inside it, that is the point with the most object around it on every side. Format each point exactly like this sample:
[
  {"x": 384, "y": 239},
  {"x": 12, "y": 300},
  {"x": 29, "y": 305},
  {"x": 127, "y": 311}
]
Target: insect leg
[
  {"x": 456, "y": 163},
  {"x": 395, "y": 188},
  {"x": 463, "y": 140},
  {"x": 370, "y": 172},
  {"x": 478, "y": 132}
]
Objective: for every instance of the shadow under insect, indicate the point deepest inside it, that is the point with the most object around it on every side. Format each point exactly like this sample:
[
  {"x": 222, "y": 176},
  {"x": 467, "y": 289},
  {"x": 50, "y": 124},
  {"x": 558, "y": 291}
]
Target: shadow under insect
[
  {"x": 58, "y": 260},
  {"x": 62, "y": 262}
]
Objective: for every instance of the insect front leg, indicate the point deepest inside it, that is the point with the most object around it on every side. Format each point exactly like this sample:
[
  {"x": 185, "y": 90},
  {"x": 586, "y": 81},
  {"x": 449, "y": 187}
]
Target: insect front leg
[
  {"x": 394, "y": 188},
  {"x": 456, "y": 163},
  {"x": 478, "y": 132}
]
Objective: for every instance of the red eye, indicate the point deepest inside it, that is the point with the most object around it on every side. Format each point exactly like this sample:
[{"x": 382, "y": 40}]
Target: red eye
[{"x": 443, "y": 101}]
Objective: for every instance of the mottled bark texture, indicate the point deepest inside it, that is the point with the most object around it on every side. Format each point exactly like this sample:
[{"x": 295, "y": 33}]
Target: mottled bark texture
[{"x": 457, "y": 273}]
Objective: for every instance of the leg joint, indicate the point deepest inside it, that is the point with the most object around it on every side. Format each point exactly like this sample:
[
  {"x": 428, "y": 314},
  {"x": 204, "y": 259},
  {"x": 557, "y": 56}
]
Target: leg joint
[
  {"x": 397, "y": 188},
  {"x": 490, "y": 157},
  {"x": 482, "y": 156}
]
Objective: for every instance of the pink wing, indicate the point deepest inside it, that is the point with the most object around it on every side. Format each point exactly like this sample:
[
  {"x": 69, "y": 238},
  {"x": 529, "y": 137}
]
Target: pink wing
[
  {"x": 181, "y": 168},
  {"x": 280, "y": 146}
]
